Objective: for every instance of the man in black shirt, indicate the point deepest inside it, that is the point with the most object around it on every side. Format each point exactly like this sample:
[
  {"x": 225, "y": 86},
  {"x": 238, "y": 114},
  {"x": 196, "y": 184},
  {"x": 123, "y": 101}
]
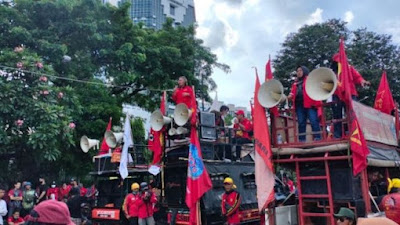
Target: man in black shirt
[
  {"x": 74, "y": 206},
  {"x": 41, "y": 190}
]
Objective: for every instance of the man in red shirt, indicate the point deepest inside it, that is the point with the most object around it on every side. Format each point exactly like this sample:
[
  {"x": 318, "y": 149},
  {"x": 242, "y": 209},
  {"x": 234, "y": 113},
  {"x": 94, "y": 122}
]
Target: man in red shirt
[
  {"x": 63, "y": 192},
  {"x": 305, "y": 107},
  {"x": 15, "y": 196},
  {"x": 230, "y": 203},
  {"x": 145, "y": 203},
  {"x": 390, "y": 204},
  {"x": 243, "y": 127},
  {"x": 52, "y": 192},
  {"x": 15, "y": 219},
  {"x": 183, "y": 93},
  {"x": 131, "y": 205}
]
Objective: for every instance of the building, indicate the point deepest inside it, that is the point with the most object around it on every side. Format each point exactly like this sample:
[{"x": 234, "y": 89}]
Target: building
[{"x": 153, "y": 13}]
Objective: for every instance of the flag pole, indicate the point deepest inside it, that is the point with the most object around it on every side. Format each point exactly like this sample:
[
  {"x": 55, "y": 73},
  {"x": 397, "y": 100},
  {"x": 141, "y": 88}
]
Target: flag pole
[{"x": 198, "y": 214}]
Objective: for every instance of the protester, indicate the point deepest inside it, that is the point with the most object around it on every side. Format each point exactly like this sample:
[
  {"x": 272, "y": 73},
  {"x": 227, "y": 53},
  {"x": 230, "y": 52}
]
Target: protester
[
  {"x": 345, "y": 216},
  {"x": 52, "y": 192},
  {"x": 91, "y": 194},
  {"x": 41, "y": 190},
  {"x": 74, "y": 206},
  {"x": 131, "y": 205},
  {"x": 243, "y": 127},
  {"x": 305, "y": 107},
  {"x": 64, "y": 192},
  {"x": 82, "y": 190},
  {"x": 390, "y": 204},
  {"x": 230, "y": 202},
  {"x": 50, "y": 212},
  {"x": 15, "y": 219},
  {"x": 15, "y": 196},
  {"x": 28, "y": 199},
  {"x": 147, "y": 199},
  {"x": 74, "y": 185},
  {"x": 183, "y": 93},
  {"x": 3, "y": 205}
]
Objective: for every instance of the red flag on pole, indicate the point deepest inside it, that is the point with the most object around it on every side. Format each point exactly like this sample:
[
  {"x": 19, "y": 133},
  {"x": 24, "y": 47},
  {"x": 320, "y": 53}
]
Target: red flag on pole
[
  {"x": 384, "y": 100},
  {"x": 193, "y": 119},
  {"x": 198, "y": 180},
  {"x": 269, "y": 76},
  {"x": 104, "y": 147},
  {"x": 156, "y": 138},
  {"x": 264, "y": 170},
  {"x": 344, "y": 75}
]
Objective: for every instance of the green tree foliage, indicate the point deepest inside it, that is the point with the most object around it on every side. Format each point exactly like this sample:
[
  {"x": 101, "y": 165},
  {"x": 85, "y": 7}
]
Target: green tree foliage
[
  {"x": 92, "y": 42},
  {"x": 314, "y": 45}
]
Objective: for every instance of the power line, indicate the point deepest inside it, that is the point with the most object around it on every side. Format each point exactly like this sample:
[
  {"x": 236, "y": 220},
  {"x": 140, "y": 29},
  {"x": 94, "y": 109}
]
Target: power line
[{"x": 79, "y": 81}]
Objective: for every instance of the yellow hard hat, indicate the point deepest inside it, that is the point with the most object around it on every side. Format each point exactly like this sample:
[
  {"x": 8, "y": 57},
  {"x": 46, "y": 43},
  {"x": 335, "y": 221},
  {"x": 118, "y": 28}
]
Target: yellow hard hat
[
  {"x": 228, "y": 180},
  {"x": 134, "y": 186},
  {"x": 393, "y": 183}
]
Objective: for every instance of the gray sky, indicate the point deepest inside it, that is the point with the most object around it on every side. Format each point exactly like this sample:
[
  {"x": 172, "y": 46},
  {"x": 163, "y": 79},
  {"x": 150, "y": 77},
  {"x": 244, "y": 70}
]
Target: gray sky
[{"x": 244, "y": 32}]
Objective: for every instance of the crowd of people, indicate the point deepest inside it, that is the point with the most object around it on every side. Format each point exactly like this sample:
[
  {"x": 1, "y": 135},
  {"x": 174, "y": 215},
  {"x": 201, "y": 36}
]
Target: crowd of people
[{"x": 17, "y": 203}]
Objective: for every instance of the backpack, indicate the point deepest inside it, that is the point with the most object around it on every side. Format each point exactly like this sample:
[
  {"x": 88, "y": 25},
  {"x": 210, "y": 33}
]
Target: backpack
[{"x": 28, "y": 200}]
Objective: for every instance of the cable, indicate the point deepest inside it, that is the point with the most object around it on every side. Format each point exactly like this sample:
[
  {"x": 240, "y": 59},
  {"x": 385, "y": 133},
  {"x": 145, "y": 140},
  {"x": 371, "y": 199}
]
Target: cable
[{"x": 79, "y": 81}]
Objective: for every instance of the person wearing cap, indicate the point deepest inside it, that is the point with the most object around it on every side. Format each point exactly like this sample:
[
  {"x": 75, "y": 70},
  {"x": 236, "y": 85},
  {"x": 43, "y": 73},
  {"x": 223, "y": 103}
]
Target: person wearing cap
[
  {"x": 390, "y": 204},
  {"x": 52, "y": 192},
  {"x": 50, "y": 212},
  {"x": 230, "y": 202},
  {"x": 345, "y": 216},
  {"x": 145, "y": 204},
  {"x": 28, "y": 199},
  {"x": 304, "y": 106},
  {"x": 243, "y": 127},
  {"x": 131, "y": 205},
  {"x": 339, "y": 105},
  {"x": 183, "y": 93}
]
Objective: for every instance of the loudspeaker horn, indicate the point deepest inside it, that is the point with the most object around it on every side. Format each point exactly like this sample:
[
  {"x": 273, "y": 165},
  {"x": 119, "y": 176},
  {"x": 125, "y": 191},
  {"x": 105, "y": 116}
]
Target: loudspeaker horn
[
  {"x": 112, "y": 139},
  {"x": 182, "y": 114},
  {"x": 172, "y": 131},
  {"x": 271, "y": 93},
  {"x": 87, "y": 143},
  {"x": 182, "y": 130},
  {"x": 158, "y": 120},
  {"x": 321, "y": 83}
]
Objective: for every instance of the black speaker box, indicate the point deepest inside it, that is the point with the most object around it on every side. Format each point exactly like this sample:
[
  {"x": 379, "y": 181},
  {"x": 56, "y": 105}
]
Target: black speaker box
[
  {"x": 344, "y": 185},
  {"x": 207, "y": 150},
  {"x": 104, "y": 164}
]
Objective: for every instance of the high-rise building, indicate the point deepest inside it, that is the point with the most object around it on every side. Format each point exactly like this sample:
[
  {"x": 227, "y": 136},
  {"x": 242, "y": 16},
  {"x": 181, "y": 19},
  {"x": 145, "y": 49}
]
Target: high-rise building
[{"x": 153, "y": 13}]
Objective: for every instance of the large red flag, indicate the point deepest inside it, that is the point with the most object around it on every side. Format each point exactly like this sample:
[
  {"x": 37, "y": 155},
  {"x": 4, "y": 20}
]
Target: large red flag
[
  {"x": 104, "y": 147},
  {"x": 198, "y": 180},
  {"x": 264, "y": 170},
  {"x": 358, "y": 144},
  {"x": 384, "y": 100},
  {"x": 156, "y": 138},
  {"x": 269, "y": 76}
]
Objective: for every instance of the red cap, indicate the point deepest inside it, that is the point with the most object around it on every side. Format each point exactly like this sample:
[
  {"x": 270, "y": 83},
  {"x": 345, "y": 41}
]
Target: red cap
[
  {"x": 240, "y": 112},
  {"x": 52, "y": 211},
  {"x": 335, "y": 57}
]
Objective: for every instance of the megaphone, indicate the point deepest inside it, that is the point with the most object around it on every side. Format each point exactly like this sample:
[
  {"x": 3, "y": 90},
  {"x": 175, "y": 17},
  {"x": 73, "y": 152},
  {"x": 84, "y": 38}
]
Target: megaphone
[
  {"x": 181, "y": 130},
  {"x": 172, "y": 131},
  {"x": 271, "y": 93},
  {"x": 87, "y": 143},
  {"x": 112, "y": 139},
  {"x": 321, "y": 83},
  {"x": 182, "y": 114},
  {"x": 158, "y": 120}
]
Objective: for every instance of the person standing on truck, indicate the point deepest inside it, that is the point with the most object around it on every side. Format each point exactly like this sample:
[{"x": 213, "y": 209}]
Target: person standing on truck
[
  {"x": 183, "y": 93},
  {"x": 243, "y": 129},
  {"x": 230, "y": 203},
  {"x": 131, "y": 205},
  {"x": 145, "y": 203}
]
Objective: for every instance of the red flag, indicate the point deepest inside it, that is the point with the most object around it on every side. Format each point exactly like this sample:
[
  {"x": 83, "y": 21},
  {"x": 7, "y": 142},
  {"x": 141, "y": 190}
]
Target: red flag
[
  {"x": 269, "y": 76},
  {"x": 358, "y": 144},
  {"x": 384, "y": 100},
  {"x": 104, "y": 147},
  {"x": 198, "y": 180},
  {"x": 193, "y": 119},
  {"x": 264, "y": 170},
  {"x": 344, "y": 75},
  {"x": 156, "y": 138}
]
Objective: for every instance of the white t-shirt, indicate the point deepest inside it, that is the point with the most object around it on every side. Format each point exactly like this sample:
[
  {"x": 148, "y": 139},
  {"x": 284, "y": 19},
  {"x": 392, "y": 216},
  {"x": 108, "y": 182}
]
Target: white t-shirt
[{"x": 3, "y": 210}]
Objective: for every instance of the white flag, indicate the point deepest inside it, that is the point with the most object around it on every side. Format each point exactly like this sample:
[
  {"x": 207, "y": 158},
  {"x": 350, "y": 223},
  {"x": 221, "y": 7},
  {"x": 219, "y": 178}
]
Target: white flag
[
  {"x": 215, "y": 105},
  {"x": 123, "y": 165}
]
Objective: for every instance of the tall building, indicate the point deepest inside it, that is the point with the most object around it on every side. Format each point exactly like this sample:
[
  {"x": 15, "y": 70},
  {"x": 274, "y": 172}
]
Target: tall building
[{"x": 153, "y": 13}]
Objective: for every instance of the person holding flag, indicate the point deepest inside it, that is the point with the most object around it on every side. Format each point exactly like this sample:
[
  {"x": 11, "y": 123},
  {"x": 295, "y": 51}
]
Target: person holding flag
[{"x": 230, "y": 202}]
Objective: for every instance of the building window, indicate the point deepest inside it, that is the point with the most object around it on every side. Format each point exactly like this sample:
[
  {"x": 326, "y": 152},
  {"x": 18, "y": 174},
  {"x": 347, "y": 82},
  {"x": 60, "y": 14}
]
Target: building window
[{"x": 172, "y": 10}]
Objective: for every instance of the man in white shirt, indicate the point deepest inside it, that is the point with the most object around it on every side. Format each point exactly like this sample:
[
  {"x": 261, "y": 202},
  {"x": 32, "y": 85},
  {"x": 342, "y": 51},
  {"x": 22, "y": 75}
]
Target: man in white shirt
[{"x": 3, "y": 205}]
